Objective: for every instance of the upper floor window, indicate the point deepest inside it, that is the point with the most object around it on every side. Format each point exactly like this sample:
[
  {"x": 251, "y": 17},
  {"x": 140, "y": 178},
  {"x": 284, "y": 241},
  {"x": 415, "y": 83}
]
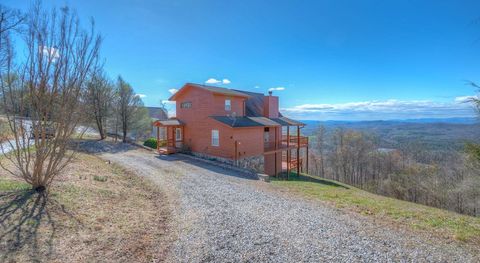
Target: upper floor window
[
  {"x": 186, "y": 105},
  {"x": 215, "y": 138},
  {"x": 228, "y": 105}
]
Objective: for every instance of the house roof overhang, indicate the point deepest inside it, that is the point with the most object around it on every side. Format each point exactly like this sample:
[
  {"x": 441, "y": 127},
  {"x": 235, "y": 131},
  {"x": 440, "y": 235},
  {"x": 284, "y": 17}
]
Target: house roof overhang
[
  {"x": 284, "y": 121},
  {"x": 213, "y": 89},
  {"x": 169, "y": 122}
]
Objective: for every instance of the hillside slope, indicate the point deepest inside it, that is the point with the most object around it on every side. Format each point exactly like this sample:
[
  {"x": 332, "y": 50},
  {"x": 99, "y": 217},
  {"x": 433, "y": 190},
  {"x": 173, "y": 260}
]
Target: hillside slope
[{"x": 413, "y": 216}]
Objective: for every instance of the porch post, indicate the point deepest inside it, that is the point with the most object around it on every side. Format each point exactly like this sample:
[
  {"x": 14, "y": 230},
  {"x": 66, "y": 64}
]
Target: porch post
[
  {"x": 276, "y": 143},
  {"x": 158, "y": 138},
  {"x": 288, "y": 152},
  {"x": 298, "y": 150},
  {"x": 174, "y": 137}
]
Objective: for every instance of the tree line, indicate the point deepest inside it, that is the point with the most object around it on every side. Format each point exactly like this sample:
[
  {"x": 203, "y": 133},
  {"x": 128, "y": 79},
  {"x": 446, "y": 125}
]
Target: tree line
[
  {"x": 52, "y": 85},
  {"x": 444, "y": 179}
]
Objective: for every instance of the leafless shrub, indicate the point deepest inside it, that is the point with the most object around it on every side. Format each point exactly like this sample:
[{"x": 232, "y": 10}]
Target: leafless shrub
[{"x": 41, "y": 92}]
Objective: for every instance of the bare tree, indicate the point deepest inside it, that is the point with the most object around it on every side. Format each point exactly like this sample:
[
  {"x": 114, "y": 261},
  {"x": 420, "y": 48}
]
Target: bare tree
[
  {"x": 46, "y": 86},
  {"x": 99, "y": 97},
  {"x": 320, "y": 140},
  {"x": 129, "y": 105}
]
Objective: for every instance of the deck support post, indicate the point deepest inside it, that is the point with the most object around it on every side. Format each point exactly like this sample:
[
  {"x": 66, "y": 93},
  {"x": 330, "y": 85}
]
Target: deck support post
[
  {"x": 298, "y": 150},
  {"x": 276, "y": 144},
  {"x": 174, "y": 139},
  {"x": 288, "y": 152}
]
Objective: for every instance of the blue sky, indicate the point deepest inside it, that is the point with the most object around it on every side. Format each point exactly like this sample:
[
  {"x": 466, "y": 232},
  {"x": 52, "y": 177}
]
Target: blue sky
[{"x": 344, "y": 60}]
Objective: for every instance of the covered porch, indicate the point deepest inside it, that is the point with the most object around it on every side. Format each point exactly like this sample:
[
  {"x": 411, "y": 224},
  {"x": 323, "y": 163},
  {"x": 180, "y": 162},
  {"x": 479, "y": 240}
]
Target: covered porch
[{"x": 169, "y": 135}]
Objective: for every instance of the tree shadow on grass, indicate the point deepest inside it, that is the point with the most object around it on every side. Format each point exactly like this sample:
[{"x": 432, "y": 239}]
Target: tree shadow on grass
[
  {"x": 27, "y": 225},
  {"x": 318, "y": 180}
]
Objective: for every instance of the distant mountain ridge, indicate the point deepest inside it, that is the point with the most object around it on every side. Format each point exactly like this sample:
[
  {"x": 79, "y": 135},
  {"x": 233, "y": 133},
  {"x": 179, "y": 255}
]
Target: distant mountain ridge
[{"x": 465, "y": 120}]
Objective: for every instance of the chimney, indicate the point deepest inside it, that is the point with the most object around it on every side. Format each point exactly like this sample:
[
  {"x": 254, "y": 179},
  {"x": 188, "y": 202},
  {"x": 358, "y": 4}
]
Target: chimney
[
  {"x": 270, "y": 106},
  {"x": 270, "y": 92}
]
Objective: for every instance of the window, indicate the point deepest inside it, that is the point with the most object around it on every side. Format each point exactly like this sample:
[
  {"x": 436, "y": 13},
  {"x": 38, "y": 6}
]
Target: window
[
  {"x": 228, "y": 105},
  {"x": 186, "y": 105},
  {"x": 178, "y": 134},
  {"x": 215, "y": 138},
  {"x": 266, "y": 134}
]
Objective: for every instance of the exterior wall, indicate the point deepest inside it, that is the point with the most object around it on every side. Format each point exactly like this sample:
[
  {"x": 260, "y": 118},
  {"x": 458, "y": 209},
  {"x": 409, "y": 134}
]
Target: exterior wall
[
  {"x": 218, "y": 106},
  {"x": 270, "y": 106},
  {"x": 198, "y": 125},
  {"x": 250, "y": 142}
]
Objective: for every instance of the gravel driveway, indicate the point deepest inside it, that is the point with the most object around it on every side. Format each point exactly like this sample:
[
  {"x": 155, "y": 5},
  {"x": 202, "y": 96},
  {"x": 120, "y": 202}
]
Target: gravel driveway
[{"x": 222, "y": 216}]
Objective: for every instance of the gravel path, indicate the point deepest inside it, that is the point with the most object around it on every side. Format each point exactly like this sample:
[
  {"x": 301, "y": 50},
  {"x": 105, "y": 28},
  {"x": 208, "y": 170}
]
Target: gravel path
[{"x": 222, "y": 216}]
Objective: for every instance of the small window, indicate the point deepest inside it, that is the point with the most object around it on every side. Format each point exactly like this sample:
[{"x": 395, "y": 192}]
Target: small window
[
  {"x": 228, "y": 105},
  {"x": 186, "y": 105},
  {"x": 178, "y": 134},
  {"x": 215, "y": 138}
]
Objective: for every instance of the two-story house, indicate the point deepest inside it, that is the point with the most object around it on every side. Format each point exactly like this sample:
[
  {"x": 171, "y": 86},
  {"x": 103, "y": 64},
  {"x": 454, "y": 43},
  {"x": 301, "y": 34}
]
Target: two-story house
[{"x": 238, "y": 127}]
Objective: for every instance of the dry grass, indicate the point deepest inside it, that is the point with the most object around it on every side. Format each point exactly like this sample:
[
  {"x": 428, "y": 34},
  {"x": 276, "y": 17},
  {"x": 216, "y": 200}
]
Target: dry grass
[
  {"x": 446, "y": 224},
  {"x": 120, "y": 218}
]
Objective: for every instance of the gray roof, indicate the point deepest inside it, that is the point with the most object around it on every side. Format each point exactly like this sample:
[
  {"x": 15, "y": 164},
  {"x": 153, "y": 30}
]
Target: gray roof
[
  {"x": 237, "y": 122},
  {"x": 254, "y": 104},
  {"x": 284, "y": 121},
  {"x": 264, "y": 121}
]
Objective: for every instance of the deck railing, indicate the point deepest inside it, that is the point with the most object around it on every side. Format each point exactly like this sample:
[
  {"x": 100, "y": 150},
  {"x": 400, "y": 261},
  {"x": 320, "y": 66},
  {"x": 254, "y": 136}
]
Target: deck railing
[{"x": 286, "y": 142}]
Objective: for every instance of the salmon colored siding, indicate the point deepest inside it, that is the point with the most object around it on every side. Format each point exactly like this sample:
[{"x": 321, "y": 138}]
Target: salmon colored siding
[
  {"x": 218, "y": 106},
  {"x": 250, "y": 141},
  {"x": 198, "y": 129}
]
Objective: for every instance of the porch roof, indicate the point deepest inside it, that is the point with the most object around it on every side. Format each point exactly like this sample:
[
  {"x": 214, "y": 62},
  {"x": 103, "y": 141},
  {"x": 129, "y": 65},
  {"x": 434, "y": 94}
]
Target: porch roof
[
  {"x": 264, "y": 121},
  {"x": 169, "y": 122},
  {"x": 284, "y": 121}
]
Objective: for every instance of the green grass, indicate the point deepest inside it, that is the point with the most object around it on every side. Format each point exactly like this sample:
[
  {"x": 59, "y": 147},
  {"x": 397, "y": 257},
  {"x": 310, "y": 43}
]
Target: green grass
[
  {"x": 419, "y": 217},
  {"x": 100, "y": 178},
  {"x": 11, "y": 185}
]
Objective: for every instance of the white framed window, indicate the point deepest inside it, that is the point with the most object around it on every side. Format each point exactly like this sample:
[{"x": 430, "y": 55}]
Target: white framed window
[
  {"x": 178, "y": 134},
  {"x": 228, "y": 105},
  {"x": 215, "y": 138}
]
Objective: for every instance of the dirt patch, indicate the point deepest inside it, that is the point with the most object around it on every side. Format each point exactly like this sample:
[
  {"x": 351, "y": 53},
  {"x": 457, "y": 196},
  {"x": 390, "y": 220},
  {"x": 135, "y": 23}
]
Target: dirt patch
[{"x": 96, "y": 211}]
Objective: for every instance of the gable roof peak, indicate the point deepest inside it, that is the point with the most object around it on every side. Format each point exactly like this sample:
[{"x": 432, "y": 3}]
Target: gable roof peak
[{"x": 214, "y": 89}]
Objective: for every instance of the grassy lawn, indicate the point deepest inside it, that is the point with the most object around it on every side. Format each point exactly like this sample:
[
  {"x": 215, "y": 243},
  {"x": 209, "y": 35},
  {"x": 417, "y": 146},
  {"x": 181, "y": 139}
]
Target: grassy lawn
[
  {"x": 94, "y": 211},
  {"x": 419, "y": 217}
]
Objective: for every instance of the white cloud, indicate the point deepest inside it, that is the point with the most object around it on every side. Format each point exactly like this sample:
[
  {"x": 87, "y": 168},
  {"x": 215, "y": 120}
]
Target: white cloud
[
  {"x": 213, "y": 81},
  {"x": 141, "y": 96},
  {"x": 277, "y": 88},
  {"x": 256, "y": 87},
  {"x": 173, "y": 91},
  {"x": 217, "y": 81},
  {"x": 169, "y": 102},
  {"x": 463, "y": 99},
  {"x": 386, "y": 109},
  {"x": 49, "y": 52}
]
